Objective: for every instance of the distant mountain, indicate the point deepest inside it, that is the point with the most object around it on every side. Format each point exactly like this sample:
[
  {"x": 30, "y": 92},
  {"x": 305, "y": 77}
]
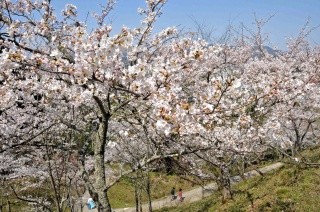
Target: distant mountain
[
  {"x": 257, "y": 51},
  {"x": 267, "y": 49}
]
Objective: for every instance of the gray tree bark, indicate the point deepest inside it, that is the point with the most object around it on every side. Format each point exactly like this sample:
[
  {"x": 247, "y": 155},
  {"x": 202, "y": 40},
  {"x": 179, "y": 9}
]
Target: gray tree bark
[
  {"x": 99, "y": 168},
  {"x": 99, "y": 145}
]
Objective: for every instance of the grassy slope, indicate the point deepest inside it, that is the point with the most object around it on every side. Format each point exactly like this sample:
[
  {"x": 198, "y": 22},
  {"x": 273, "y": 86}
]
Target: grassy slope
[
  {"x": 122, "y": 194},
  {"x": 292, "y": 188}
]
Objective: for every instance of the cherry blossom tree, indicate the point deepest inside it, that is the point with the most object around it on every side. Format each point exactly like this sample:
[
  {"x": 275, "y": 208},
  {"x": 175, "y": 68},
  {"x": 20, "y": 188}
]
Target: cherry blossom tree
[
  {"x": 295, "y": 121},
  {"x": 168, "y": 94},
  {"x": 55, "y": 66}
]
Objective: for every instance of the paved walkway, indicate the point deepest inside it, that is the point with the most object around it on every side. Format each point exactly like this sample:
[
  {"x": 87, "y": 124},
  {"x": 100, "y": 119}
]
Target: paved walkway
[
  {"x": 83, "y": 202},
  {"x": 192, "y": 195}
]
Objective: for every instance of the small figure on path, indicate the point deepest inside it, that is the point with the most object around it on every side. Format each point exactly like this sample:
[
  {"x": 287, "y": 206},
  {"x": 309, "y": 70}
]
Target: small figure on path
[
  {"x": 181, "y": 198},
  {"x": 91, "y": 204},
  {"x": 173, "y": 194}
]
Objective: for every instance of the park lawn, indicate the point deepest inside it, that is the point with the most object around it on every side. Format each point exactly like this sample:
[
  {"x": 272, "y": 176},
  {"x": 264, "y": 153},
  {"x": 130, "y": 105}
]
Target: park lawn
[
  {"x": 292, "y": 188},
  {"x": 289, "y": 189},
  {"x": 9, "y": 202},
  {"x": 122, "y": 194}
]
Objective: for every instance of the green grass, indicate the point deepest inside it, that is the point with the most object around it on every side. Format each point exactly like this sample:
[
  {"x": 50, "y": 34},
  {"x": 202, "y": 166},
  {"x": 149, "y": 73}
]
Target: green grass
[
  {"x": 9, "y": 200},
  {"x": 44, "y": 191},
  {"x": 122, "y": 194},
  {"x": 292, "y": 188}
]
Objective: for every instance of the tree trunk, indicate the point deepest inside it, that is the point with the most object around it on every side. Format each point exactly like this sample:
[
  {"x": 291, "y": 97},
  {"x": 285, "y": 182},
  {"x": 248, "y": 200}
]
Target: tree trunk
[
  {"x": 136, "y": 196},
  {"x": 99, "y": 172},
  {"x": 8, "y": 205},
  {"x": 225, "y": 185},
  {"x": 149, "y": 192},
  {"x": 140, "y": 200},
  {"x": 226, "y": 193},
  {"x": 57, "y": 194}
]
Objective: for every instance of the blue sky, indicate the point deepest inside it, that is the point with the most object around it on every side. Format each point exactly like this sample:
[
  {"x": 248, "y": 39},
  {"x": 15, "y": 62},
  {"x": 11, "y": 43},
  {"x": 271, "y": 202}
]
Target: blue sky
[{"x": 289, "y": 15}]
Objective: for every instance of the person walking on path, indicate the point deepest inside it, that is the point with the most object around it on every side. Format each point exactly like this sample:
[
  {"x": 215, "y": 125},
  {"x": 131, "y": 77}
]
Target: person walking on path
[
  {"x": 91, "y": 204},
  {"x": 173, "y": 193},
  {"x": 180, "y": 197}
]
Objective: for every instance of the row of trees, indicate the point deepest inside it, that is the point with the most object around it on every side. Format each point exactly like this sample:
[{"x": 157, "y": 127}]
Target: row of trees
[{"x": 74, "y": 99}]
